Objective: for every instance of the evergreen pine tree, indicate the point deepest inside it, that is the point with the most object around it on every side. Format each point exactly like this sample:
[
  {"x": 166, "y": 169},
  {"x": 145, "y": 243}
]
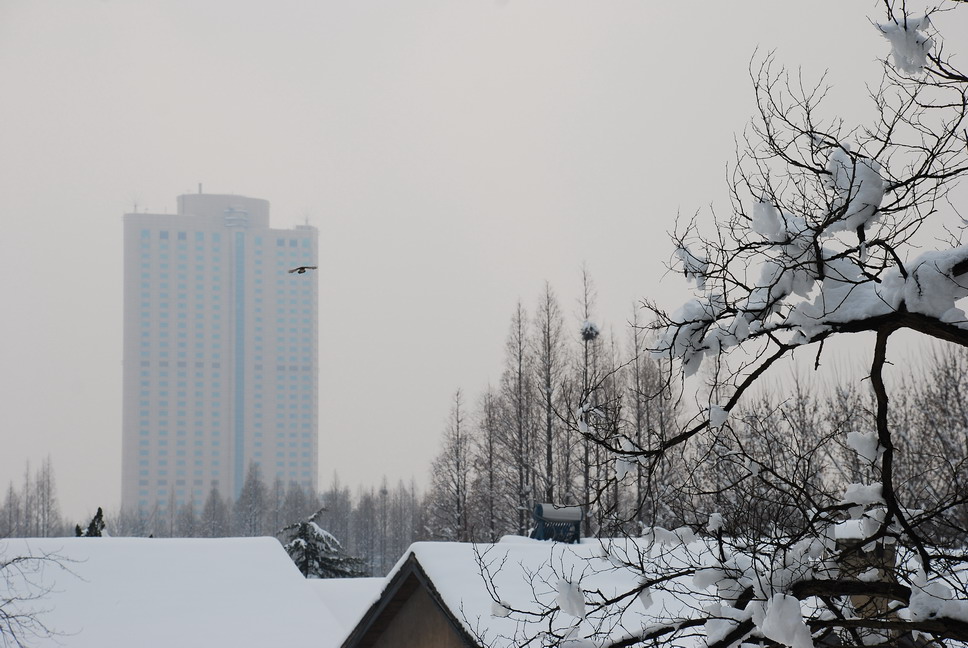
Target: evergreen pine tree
[
  {"x": 94, "y": 529},
  {"x": 317, "y": 553}
]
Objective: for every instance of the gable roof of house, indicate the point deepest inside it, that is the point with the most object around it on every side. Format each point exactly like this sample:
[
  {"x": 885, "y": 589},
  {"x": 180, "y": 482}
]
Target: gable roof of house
[
  {"x": 476, "y": 585},
  {"x": 407, "y": 576},
  {"x": 237, "y": 592}
]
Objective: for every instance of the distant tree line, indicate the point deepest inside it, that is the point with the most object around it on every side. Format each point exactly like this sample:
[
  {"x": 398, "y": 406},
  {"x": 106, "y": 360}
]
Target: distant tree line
[
  {"x": 537, "y": 436},
  {"x": 374, "y": 524},
  {"x": 780, "y": 458},
  {"x": 530, "y": 438},
  {"x": 260, "y": 510},
  {"x": 569, "y": 390},
  {"x": 30, "y": 508}
]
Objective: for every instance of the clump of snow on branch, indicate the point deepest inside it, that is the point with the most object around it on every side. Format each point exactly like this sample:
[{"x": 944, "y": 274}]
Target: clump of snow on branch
[
  {"x": 693, "y": 266},
  {"x": 865, "y": 445},
  {"x": 931, "y": 287},
  {"x": 586, "y": 416},
  {"x": 687, "y": 340},
  {"x": 717, "y": 416},
  {"x": 862, "y": 525},
  {"x": 858, "y": 188},
  {"x": 782, "y": 621},
  {"x": 909, "y": 45},
  {"x": 793, "y": 565},
  {"x": 645, "y": 595},
  {"x": 706, "y": 578},
  {"x": 722, "y": 620},
  {"x": 769, "y": 223},
  {"x": 570, "y": 599},
  {"x": 626, "y": 464},
  {"x": 666, "y": 538},
  {"x": 864, "y": 494},
  {"x": 932, "y": 284},
  {"x": 871, "y": 575},
  {"x": 500, "y": 609},
  {"x": 823, "y": 254},
  {"x": 934, "y": 599},
  {"x": 715, "y": 522}
]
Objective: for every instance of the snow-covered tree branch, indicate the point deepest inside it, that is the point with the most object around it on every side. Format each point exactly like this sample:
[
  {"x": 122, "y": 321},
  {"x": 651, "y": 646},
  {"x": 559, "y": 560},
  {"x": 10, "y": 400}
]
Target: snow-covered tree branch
[
  {"x": 23, "y": 607},
  {"x": 830, "y": 233},
  {"x": 805, "y": 525}
]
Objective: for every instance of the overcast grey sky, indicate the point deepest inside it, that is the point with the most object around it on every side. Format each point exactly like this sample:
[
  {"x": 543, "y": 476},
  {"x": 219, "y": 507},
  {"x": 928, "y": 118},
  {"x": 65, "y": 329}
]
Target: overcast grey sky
[{"x": 454, "y": 155}]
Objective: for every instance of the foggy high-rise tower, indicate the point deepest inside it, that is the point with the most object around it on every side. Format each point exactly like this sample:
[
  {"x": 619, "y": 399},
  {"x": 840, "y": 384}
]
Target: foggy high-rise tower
[{"x": 220, "y": 351}]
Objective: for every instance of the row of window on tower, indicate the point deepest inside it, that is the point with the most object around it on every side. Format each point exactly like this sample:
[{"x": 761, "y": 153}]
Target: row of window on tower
[{"x": 216, "y": 237}]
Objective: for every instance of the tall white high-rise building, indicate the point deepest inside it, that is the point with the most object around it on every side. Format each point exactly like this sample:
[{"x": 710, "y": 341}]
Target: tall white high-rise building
[{"x": 220, "y": 352}]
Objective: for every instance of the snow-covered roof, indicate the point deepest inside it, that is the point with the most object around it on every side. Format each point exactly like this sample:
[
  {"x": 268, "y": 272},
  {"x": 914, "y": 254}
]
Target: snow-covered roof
[
  {"x": 480, "y": 584},
  {"x": 346, "y": 599},
  {"x": 233, "y": 592}
]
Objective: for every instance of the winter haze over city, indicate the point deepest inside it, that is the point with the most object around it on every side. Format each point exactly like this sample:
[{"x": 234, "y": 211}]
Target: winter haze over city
[
  {"x": 447, "y": 175},
  {"x": 454, "y": 156}
]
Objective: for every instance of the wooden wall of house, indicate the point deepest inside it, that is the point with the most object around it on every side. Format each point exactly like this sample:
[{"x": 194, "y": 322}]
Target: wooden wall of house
[{"x": 419, "y": 624}]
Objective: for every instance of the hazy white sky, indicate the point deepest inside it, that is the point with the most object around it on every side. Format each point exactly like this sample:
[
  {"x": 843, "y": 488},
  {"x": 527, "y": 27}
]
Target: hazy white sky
[{"x": 454, "y": 155}]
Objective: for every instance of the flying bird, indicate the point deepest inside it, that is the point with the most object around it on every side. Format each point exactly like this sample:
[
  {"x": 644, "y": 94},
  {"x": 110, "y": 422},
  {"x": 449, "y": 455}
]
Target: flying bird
[{"x": 302, "y": 269}]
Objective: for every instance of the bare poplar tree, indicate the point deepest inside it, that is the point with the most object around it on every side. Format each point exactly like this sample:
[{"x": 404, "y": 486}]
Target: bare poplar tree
[
  {"x": 486, "y": 491},
  {"x": 589, "y": 413},
  {"x": 365, "y": 528},
  {"x": 518, "y": 426},
  {"x": 337, "y": 507},
  {"x": 216, "y": 519},
  {"x": 10, "y": 523},
  {"x": 32, "y": 512},
  {"x": 28, "y": 506},
  {"x": 249, "y": 508},
  {"x": 549, "y": 364},
  {"x": 400, "y": 529},
  {"x": 451, "y": 475},
  {"x": 275, "y": 515},
  {"x": 187, "y": 523},
  {"x": 49, "y": 521},
  {"x": 652, "y": 416}
]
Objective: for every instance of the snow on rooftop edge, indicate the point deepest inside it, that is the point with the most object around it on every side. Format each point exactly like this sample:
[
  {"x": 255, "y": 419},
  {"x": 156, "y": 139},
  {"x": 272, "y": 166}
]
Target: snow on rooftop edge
[
  {"x": 347, "y": 599},
  {"x": 236, "y": 592},
  {"x": 521, "y": 568}
]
